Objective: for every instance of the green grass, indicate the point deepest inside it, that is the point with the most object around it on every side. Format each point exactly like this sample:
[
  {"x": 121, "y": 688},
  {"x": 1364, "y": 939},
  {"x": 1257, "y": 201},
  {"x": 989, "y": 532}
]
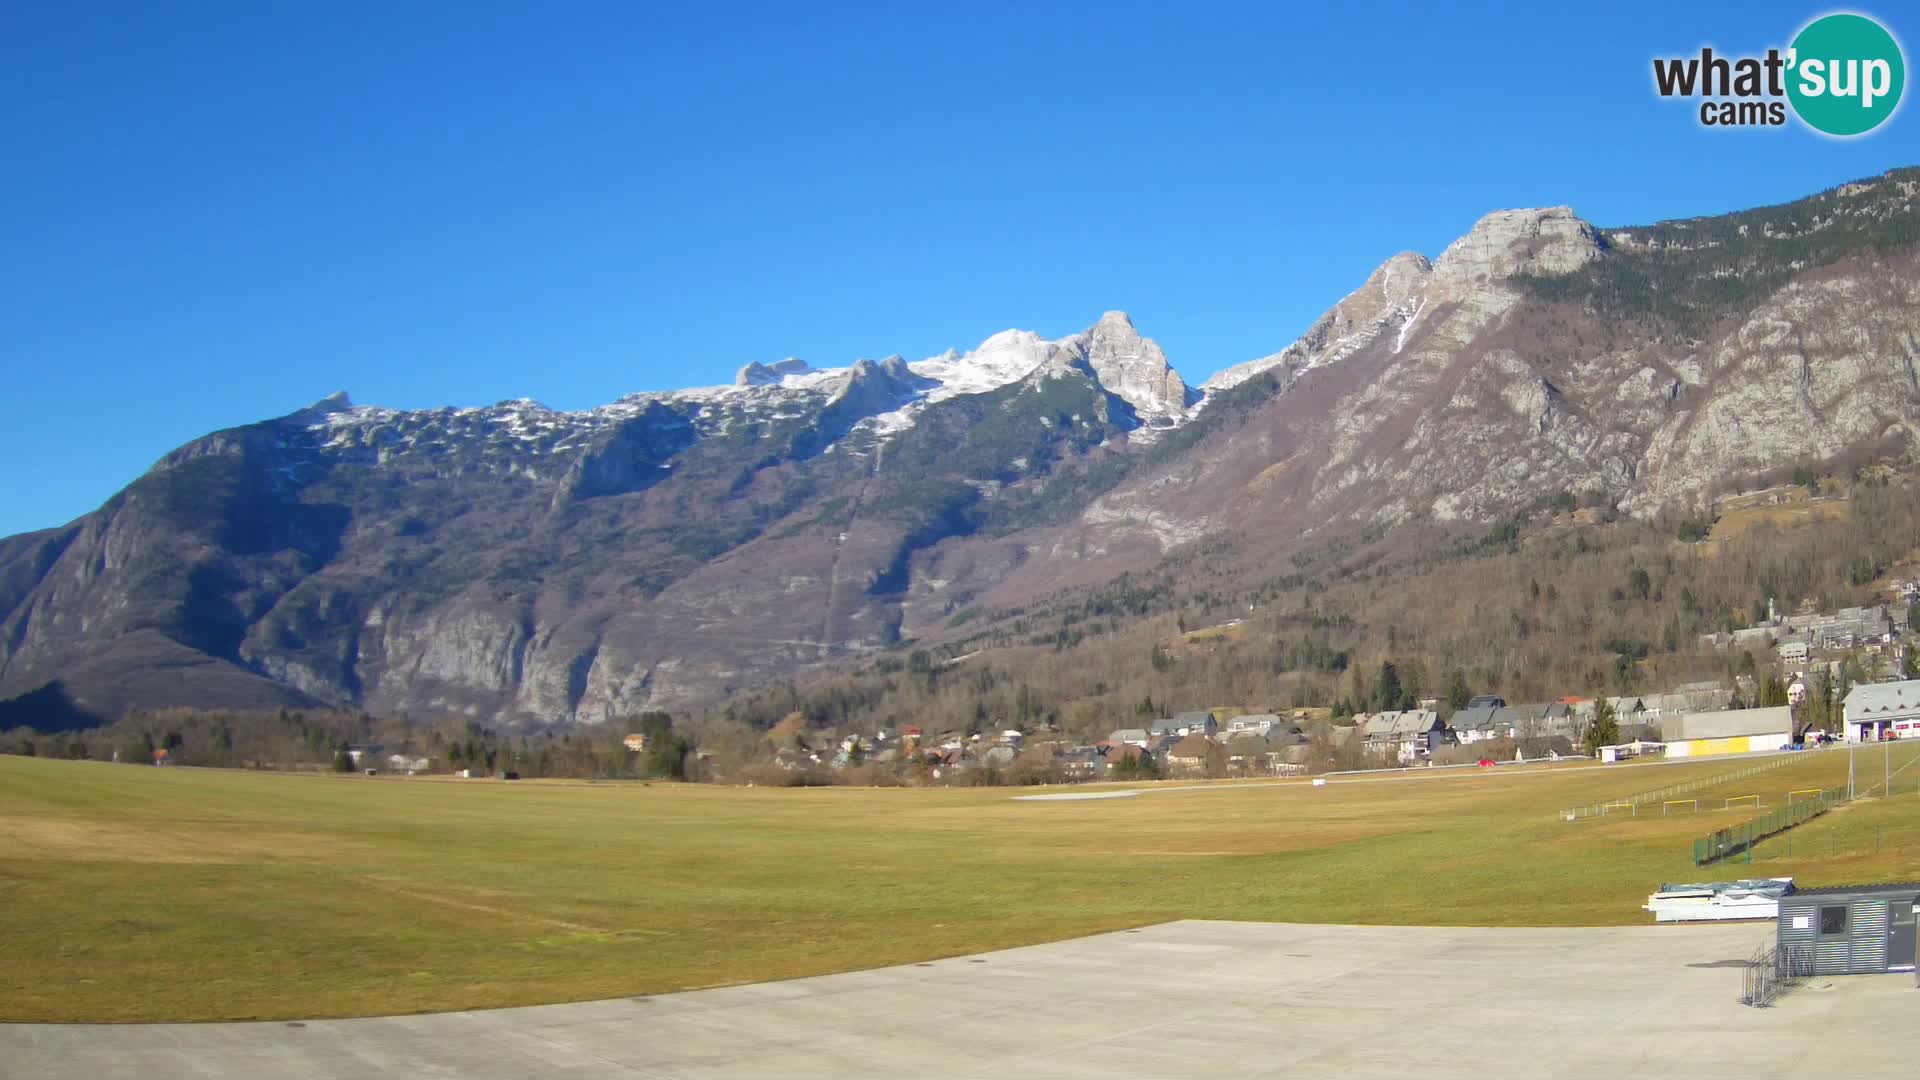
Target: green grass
[{"x": 133, "y": 893}]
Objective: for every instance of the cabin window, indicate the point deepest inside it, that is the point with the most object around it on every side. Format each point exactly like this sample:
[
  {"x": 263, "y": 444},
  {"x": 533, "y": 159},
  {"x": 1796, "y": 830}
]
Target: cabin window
[{"x": 1833, "y": 920}]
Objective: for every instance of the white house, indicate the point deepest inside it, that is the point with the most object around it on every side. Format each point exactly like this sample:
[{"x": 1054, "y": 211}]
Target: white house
[
  {"x": 1877, "y": 711},
  {"x": 1258, "y": 723}
]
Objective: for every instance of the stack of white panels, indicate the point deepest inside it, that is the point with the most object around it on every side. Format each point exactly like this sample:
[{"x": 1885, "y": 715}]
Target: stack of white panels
[{"x": 1713, "y": 901}]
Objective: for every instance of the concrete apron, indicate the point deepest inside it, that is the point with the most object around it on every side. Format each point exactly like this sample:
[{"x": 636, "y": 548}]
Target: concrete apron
[{"x": 1181, "y": 999}]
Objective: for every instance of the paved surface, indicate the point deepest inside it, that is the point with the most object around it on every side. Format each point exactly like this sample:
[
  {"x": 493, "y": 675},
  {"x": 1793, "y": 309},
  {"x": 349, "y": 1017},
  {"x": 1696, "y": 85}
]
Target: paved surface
[{"x": 1184, "y": 999}]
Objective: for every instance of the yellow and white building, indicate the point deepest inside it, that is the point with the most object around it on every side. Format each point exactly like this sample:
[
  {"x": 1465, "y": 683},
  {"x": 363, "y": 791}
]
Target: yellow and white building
[{"x": 1728, "y": 731}]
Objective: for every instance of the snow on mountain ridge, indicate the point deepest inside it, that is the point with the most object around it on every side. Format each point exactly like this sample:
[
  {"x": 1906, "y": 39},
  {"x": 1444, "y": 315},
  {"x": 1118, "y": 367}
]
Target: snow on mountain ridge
[{"x": 1130, "y": 366}]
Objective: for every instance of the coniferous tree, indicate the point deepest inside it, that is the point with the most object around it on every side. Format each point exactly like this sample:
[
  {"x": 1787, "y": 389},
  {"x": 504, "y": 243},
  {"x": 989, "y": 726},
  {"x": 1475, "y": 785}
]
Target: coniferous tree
[{"x": 1604, "y": 729}]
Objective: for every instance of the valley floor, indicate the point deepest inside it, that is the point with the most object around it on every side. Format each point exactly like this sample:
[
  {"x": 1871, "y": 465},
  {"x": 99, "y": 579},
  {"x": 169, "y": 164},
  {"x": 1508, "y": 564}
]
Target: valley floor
[{"x": 132, "y": 893}]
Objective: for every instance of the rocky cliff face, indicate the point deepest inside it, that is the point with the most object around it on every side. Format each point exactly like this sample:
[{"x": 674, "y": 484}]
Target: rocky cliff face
[
  {"x": 1134, "y": 369},
  {"x": 518, "y": 564},
  {"x": 1511, "y": 368}
]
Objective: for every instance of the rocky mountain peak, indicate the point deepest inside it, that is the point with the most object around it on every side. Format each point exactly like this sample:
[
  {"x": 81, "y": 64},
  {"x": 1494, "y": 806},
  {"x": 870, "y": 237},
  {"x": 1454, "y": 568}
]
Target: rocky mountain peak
[
  {"x": 1402, "y": 277},
  {"x": 872, "y": 388},
  {"x": 1008, "y": 341},
  {"x": 898, "y": 370},
  {"x": 1393, "y": 296},
  {"x": 336, "y": 402},
  {"x": 1133, "y": 367},
  {"x": 758, "y": 374},
  {"x": 1550, "y": 240}
]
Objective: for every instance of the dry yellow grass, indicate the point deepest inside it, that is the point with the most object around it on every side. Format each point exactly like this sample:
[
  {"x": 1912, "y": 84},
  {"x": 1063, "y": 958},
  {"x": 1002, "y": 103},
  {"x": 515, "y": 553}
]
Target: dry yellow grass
[
  {"x": 1734, "y": 522},
  {"x": 131, "y": 893}
]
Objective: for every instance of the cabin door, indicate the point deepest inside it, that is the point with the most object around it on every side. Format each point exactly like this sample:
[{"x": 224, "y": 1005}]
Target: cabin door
[{"x": 1900, "y": 940}]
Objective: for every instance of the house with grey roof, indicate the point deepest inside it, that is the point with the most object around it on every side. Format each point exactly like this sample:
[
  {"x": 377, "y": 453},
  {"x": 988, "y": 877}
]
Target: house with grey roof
[
  {"x": 1849, "y": 626},
  {"x": 1260, "y": 723},
  {"x": 1538, "y": 726},
  {"x": 1888, "y": 710},
  {"x": 1374, "y": 728},
  {"x": 1133, "y": 735},
  {"x": 1190, "y": 754},
  {"x": 1249, "y": 751},
  {"x": 1409, "y": 734},
  {"x": 1197, "y": 722},
  {"x": 1475, "y": 723},
  {"x": 1417, "y": 733},
  {"x": 1081, "y": 761}
]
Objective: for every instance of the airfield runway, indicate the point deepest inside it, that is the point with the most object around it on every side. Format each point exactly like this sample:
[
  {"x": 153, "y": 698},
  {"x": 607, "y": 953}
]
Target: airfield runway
[{"x": 1181, "y": 999}]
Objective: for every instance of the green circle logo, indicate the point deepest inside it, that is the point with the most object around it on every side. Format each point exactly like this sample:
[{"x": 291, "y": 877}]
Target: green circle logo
[{"x": 1846, "y": 74}]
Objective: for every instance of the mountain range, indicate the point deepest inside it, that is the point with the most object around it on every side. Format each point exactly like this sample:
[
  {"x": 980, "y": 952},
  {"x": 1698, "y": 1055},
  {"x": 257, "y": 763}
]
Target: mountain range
[{"x": 521, "y": 565}]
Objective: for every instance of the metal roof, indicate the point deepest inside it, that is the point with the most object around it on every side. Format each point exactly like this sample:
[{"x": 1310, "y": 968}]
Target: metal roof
[
  {"x": 1898, "y": 888},
  {"x": 1879, "y": 700},
  {"x": 1474, "y": 718},
  {"x": 1381, "y": 723},
  {"x": 1415, "y": 722},
  {"x": 1728, "y": 723}
]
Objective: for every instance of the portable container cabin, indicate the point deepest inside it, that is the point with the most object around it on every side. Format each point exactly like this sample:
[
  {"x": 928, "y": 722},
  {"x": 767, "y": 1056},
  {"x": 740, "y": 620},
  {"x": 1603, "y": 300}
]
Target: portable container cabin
[{"x": 1849, "y": 929}]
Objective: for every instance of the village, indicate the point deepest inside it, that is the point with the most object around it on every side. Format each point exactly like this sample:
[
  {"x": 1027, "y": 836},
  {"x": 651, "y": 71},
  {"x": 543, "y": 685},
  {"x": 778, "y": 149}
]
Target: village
[
  {"x": 1857, "y": 657},
  {"x": 1791, "y": 681}
]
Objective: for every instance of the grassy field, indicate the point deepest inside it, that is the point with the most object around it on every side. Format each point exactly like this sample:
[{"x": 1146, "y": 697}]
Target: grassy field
[
  {"x": 1734, "y": 521},
  {"x": 175, "y": 894}
]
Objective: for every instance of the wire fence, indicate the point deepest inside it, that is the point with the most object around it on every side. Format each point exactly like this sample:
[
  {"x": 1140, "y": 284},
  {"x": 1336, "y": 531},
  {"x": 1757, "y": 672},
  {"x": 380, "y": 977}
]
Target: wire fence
[
  {"x": 1738, "y": 839},
  {"x": 1771, "y": 972},
  {"x": 1631, "y": 804}
]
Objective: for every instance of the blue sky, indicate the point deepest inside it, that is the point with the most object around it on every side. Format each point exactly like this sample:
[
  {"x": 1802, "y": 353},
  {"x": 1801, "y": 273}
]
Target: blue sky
[{"x": 214, "y": 213}]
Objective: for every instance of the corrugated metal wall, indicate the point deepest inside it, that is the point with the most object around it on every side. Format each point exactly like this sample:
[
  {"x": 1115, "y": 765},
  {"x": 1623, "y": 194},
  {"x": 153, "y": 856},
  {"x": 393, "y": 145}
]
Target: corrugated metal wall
[
  {"x": 1867, "y": 931},
  {"x": 1861, "y": 950},
  {"x": 1799, "y": 921}
]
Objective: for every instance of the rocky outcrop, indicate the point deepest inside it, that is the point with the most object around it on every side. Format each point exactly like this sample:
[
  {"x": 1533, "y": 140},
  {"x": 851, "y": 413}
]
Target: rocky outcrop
[
  {"x": 1133, "y": 368},
  {"x": 633, "y": 456},
  {"x": 1510, "y": 242},
  {"x": 1391, "y": 300},
  {"x": 758, "y": 374}
]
